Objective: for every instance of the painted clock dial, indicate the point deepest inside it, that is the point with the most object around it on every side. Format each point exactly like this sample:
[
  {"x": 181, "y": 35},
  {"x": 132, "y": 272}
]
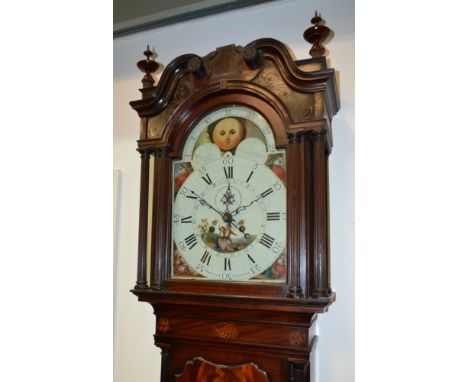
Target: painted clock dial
[{"x": 229, "y": 200}]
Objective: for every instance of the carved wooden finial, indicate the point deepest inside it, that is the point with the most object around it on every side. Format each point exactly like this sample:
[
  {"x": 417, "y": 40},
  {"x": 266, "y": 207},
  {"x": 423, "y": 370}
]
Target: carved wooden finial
[
  {"x": 315, "y": 35},
  {"x": 148, "y": 66}
]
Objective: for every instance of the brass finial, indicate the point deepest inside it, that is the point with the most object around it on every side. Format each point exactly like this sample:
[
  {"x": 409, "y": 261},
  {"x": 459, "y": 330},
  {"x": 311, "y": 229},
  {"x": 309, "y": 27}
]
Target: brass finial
[
  {"x": 315, "y": 35},
  {"x": 148, "y": 66}
]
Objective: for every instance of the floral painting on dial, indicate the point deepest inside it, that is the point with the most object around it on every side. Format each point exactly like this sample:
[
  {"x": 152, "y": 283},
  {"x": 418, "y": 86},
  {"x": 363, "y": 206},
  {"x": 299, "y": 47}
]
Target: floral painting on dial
[{"x": 222, "y": 238}]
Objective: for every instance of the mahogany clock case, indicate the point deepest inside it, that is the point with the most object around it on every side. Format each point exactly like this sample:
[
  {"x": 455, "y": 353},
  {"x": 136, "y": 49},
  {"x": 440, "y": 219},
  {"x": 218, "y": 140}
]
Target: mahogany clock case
[{"x": 215, "y": 324}]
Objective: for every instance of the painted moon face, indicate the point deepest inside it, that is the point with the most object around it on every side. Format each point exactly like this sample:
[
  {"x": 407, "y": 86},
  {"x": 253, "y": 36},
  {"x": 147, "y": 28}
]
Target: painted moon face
[{"x": 228, "y": 133}]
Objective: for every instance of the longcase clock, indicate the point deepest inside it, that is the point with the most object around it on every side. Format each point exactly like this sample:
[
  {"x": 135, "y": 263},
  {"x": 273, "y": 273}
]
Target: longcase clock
[{"x": 233, "y": 250}]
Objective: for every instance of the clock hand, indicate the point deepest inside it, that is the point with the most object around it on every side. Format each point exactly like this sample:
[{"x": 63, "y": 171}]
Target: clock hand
[
  {"x": 205, "y": 203},
  {"x": 241, "y": 208},
  {"x": 228, "y": 218},
  {"x": 241, "y": 229}
]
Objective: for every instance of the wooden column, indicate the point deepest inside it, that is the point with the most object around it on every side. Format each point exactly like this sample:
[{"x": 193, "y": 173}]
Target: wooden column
[
  {"x": 320, "y": 267},
  {"x": 295, "y": 210},
  {"x": 165, "y": 363},
  {"x": 143, "y": 221},
  {"x": 161, "y": 221},
  {"x": 299, "y": 371},
  {"x": 308, "y": 221}
]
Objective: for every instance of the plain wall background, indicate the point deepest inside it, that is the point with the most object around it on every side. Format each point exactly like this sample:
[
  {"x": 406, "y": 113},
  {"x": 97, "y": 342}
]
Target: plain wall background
[{"x": 135, "y": 356}]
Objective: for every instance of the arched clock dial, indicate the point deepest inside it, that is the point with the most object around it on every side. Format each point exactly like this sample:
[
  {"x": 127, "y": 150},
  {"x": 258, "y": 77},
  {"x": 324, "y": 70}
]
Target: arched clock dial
[{"x": 229, "y": 209}]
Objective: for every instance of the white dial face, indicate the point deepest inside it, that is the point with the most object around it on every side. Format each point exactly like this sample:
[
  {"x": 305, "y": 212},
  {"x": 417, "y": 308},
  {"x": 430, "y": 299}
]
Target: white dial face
[
  {"x": 229, "y": 219},
  {"x": 229, "y": 211}
]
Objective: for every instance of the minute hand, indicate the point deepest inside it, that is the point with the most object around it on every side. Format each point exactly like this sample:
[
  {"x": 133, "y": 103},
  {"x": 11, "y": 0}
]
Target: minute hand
[
  {"x": 204, "y": 202},
  {"x": 242, "y": 208}
]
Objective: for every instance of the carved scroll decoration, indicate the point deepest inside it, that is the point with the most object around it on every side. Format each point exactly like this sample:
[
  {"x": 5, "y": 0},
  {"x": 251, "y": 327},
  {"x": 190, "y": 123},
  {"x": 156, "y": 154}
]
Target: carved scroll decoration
[
  {"x": 301, "y": 105},
  {"x": 157, "y": 123}
]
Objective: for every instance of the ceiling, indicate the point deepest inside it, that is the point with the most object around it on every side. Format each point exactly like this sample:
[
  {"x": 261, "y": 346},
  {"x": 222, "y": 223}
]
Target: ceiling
[{"x": 138, "y": 15}]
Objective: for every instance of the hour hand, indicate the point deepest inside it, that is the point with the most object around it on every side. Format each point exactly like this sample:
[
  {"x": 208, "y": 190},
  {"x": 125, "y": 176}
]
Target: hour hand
[{"x": 242, "y": 208}]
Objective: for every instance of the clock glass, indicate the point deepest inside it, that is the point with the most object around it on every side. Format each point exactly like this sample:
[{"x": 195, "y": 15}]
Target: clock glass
[{"x": 229, "y": 200}]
